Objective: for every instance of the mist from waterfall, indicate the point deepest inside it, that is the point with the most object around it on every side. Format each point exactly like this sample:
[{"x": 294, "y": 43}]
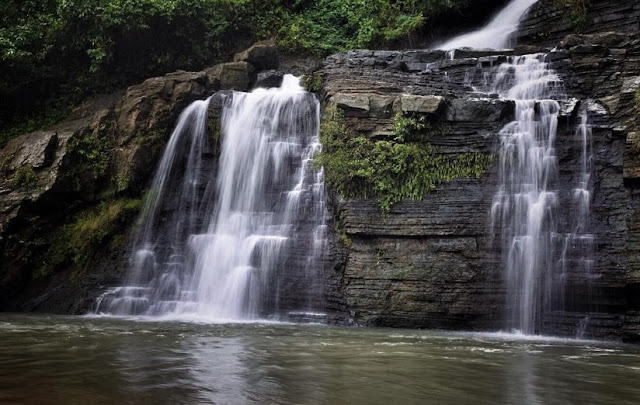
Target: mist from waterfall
[{"x": 239, "y": 236}]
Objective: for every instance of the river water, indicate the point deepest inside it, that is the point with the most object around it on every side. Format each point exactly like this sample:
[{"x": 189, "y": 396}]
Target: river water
[{"x": 78, "y": 360}]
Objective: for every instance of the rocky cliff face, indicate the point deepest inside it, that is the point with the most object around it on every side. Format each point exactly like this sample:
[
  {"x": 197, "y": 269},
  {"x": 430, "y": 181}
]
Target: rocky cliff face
[
  {"x": 549, "y": 21},
  {"x": 606, "y": 69},
  {"x": 57, "y": 182},
  {"x": 432, "y": 263},
  {"x": 423, "y": 264}
]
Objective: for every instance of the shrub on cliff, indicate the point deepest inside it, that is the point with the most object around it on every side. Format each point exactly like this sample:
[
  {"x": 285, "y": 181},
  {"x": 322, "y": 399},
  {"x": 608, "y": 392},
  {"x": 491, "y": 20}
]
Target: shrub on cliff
[
  {"x": 578, "y": 12},
  {"x": 87, "y": 235},
  {"x": 405, "y": 166}
]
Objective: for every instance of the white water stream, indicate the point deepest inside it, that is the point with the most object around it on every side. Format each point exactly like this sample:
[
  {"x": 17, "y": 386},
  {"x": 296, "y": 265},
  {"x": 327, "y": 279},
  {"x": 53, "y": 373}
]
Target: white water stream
[
  {"x": 498, "y": 33},
  {"x": 245, "y": 243},
  {"x": 526, "y": 211},
  {"x": 251, "y": 244},
  {"x": 526, "y": 215},
  {"x": 265, "y": 179}
]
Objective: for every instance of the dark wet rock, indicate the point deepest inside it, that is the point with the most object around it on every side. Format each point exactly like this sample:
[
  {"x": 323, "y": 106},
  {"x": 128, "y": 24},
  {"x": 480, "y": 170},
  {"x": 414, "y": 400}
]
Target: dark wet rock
[
  {"x": 528, "y": 49},
  {"x": 107, "y": 149},
  {"x": 550, "y": 21},
  {"x": 270, "y": 78},
  {"x": 297, "y": 65},
  {"x": 262, "y": 55},
  {"x": 432, "y": 263}
]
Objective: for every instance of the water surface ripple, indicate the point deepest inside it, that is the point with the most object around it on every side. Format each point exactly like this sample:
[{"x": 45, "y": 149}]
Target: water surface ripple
[{"x": 76, "y": 360}]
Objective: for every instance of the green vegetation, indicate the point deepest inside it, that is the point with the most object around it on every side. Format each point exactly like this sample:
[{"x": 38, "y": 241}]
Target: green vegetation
[
  {"x": 4, "y": 166},
  {"x": 24, "y": 177},
  {"x": 340, "y": 229},
  {"x": 415, "y": 128},
  {"x": 324, "y": 26},
  {"x": 89, "y": 234},
  {"x": 55, "y": 53},
  {"x": 312, "y": 83},
  {"x": 390, "y": 170},
  {"x": 579, "y": 10},
  {"x": 89, "y": 154}
]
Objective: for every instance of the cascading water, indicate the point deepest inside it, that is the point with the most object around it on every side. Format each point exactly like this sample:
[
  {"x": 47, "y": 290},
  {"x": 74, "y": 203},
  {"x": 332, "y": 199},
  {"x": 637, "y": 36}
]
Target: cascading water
[
  {"x": 527, "y": 209},
  {"x": 576, "y": 260},
  {"x": 245, "y": 243},
  {"x": 253, "y": 226},
  {"x": 541, "y": 253},
  {"x": 525, "y": 206},
  {"x": 498, "y": 33},
  {"x": 157, "y": 274}
]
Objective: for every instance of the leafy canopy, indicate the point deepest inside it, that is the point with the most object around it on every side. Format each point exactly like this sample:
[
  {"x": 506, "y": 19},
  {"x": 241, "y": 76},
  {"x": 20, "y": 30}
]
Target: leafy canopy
[{"x": 54, "y": 53}]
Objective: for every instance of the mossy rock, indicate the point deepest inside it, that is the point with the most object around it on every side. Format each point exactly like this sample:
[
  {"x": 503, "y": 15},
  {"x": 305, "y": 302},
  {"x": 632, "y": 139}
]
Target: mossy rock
[{"x": 390, "y": 170}]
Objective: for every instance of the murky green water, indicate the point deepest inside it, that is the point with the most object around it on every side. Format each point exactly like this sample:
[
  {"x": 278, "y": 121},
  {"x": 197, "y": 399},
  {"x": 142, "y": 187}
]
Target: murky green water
[{"x": 70, "y": 360}]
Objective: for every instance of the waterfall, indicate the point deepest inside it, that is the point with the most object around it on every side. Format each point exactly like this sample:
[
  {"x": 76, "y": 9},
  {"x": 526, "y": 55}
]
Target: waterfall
[
  {"x": 242, "y": 241},
  {"x": 524, "y": 205},
  {"x": 542, "y": 224},
  {"x": 527, "y": 209},
  {"x": 498, "y": 33},
  {"x": 266, "y": 180}
]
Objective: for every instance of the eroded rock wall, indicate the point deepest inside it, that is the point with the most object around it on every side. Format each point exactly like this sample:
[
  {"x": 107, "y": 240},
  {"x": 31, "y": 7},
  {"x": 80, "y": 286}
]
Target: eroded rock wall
[
  {"x": 429, "y": 263},
  {"x": 433, "y": 263},
  {"x": 549, "y": 21},
  {"x": 105, "y": 152}
]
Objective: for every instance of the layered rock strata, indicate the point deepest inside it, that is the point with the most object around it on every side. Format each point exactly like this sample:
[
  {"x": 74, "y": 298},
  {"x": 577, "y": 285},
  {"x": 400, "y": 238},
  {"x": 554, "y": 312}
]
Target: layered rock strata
[
  {"x": 549, "y": 21},
  {"x": 432, "y": 263},
  {"x": 428, "y": 263}
]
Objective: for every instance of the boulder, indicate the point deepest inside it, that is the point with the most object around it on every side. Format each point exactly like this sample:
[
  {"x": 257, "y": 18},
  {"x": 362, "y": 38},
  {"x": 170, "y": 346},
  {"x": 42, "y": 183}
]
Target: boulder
[
  {"x": 420, "y": 104},
  {"x": 353, "y": 105},
  {"x": 35, "y": 149},
  {"x": 262, "y": 55},
  {"x": 479, "y": 110},
  {"x": 234, "y": 76},
  {"x": 268, "y": 79}
]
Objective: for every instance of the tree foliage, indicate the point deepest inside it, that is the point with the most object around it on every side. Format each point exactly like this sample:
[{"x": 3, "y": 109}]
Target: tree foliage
[
  {"x": 323, "y": 26},
  {"x": 578, "y": 12},
  {"x": 53, "y": 53}
]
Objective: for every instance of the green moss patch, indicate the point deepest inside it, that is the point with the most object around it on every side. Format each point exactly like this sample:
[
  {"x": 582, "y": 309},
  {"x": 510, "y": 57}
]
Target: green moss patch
[
  {"x": 578, "y": 12},
  {"x": 92, "y": 232},
  {"x": 391, "y": 170},
  {"x": 24, "y": 177},
  {"x": 312, "y": 83}
]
